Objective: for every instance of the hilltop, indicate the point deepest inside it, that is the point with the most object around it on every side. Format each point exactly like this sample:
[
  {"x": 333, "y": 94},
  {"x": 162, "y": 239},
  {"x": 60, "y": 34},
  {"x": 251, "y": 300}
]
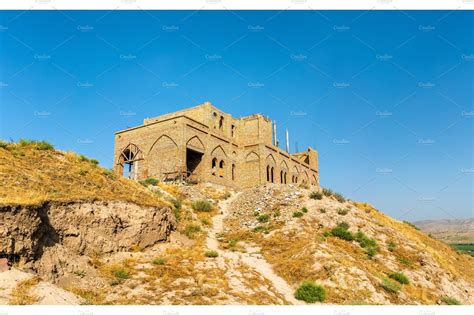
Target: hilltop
[
  {"x": 33, "y": 172},
  {"x": 107, "y": 240}
]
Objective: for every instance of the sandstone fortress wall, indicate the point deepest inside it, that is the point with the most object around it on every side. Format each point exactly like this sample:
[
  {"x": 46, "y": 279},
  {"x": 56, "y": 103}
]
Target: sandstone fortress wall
[{"x": 203, "y": 143}]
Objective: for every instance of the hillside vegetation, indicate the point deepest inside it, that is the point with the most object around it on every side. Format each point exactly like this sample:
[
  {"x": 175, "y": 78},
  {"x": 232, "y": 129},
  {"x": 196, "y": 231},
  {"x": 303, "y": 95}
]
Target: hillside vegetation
[
  {"x": 270, "y": 244},
  {"x": 32, "y": 172}
]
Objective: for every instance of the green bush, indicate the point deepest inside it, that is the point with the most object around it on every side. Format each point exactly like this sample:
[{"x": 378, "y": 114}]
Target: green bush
[
  {"x": 38, "y": 145},
  {"x": 405, "y": 261},
  {"x": 343, "y": 225},
  {"x": 342, "y": 211},
  {"x": 202, "y": 206},
  {"x": 316, "y": 195},
  {"x": 411, "y": 224},
  {"x": 390, "y": 286},
  {"x": 371, "y": 252},
  {"x": 277, "y": 213},
  {"x": 262, "y": 229},
  {"x": 159, "y": 261},
  {"x": 304, "y": 210},
  {"x": 94, "y": 161},
  {"x": 177, "y": 204},
  {"x": 327, "y": 192},
  {"x": 121, "y": 274},
  {"x": 263, "y": 218},
  {"x": 450, "y": 300},
  {"x": 339, "y": 197},
  {"x": 310, "y": 292},
  {"x": 400, "y": 277},
  {"x": 391, "y": 246},
  {"x": 297, "y": 214},
  {"x": 364, "y": 240},
  {"x": 191, "y": 229},
  {"x": 149, "y": 181},
  {"x": 211, "y": 254},
  {"x": 3, "y": 144},
  {"x": 342, "y": 233}
]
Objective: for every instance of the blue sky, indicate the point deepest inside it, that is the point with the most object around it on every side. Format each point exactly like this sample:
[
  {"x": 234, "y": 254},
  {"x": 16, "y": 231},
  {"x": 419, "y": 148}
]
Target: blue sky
[{"x": 386, "y": 97}]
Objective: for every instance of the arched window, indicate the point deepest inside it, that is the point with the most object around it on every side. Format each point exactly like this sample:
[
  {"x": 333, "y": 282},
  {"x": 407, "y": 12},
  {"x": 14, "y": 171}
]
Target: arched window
[
  {"x": 268, "y": 173},
  {"x": 221, "y": 122},
  {"x": 128, "y": 160},
  {"x": 284, "y": 177},
  {"x": 233, "y": 171},
  {"x": 221, "y": 168},
  {"x": 214, "y": 167},
  {"x": 271, "y": 174},
  {"x": 281, "y": 177}
]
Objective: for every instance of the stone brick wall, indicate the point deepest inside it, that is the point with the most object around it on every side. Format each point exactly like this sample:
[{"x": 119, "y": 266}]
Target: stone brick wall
[{"x": 213, "y": 145}]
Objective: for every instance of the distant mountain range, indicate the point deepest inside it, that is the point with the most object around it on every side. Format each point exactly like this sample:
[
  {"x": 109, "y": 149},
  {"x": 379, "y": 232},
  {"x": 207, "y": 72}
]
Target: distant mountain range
[{"x": 449, "y": 231}]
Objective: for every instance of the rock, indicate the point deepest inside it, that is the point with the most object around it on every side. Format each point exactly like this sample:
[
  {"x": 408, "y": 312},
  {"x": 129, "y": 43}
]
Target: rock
[
  {"x": 4, "y": 265},
  {"x": 51, "y": 234}
]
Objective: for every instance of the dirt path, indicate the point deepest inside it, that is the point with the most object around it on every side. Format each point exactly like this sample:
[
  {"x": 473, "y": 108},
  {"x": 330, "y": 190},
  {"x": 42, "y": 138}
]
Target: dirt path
[{"x": 252, "y": 258}]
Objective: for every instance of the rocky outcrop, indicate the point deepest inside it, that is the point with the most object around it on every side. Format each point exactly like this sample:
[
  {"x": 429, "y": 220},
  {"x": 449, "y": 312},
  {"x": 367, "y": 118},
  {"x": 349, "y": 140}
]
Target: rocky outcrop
[{"x": 37, "y": 234}]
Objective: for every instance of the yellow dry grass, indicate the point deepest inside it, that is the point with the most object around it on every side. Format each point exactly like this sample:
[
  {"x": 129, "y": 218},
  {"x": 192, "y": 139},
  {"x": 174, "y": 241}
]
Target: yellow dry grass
[
  {"x": 458, "y": 264},
  {"x": 21, "y": 294},
  {"x": 30, "y": 176}
]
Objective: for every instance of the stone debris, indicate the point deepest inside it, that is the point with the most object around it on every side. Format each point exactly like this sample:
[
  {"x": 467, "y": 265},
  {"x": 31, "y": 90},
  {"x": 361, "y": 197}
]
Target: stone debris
[{"x": 4, "y": 266}]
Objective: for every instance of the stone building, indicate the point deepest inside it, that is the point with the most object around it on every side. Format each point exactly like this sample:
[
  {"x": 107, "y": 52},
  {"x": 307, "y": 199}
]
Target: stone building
[{"x": 203, "y": 143}]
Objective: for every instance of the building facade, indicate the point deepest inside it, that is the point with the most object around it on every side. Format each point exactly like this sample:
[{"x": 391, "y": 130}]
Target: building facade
[{"x": 204, "y": 144}]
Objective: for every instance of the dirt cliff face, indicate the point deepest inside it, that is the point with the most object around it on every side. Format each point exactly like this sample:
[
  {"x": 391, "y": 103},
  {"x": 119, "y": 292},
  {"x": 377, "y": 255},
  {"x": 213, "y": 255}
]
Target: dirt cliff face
[{"x": 47, "y": 237}]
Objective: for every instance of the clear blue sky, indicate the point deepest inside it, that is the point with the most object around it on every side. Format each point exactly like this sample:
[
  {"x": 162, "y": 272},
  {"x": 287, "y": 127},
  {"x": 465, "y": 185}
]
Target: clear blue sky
[{"x": 385, "y": 97}]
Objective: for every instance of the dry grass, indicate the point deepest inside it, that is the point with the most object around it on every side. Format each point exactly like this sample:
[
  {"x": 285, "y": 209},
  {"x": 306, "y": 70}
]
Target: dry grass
[
  {"x": 458, "y": 264},
  {"x": 32, "y": 176},
  {"x": 21, "y": 294}
]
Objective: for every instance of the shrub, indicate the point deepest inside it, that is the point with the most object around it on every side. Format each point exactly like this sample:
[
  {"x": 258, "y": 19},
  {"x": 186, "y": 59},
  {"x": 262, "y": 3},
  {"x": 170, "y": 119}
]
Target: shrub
[
  {"x": 322, "y": 210},
  {"x": 3, "y": 144},
  {"x": 263, "y": 218},
  {"x": 364, "y": 240},
  {"x": 371, "y": 252},
  {"x": 191, "y": 229},
  {"x": 391, "y": 246},
  {"x": 310, "y": 292},
  {"x": 94, "y": 161},
  {"x": 304, "y": 210},
  {"x": 277, "y": 213},
  {"x": 316, "y": 195},
  {"x": 400, "y": 277},
  {"x": 38, "y": 145},
  {"x": 211, "y": 254},
  {"x": 159, "y": 261},
  {"x": 343, "y": 225},
  {"x": 342, "y": 233},
  {"x": 339, "y": 197},
  {"x": 201, "y": 205},
  {"x": 390, "y": 286},
  {"x": 405, "y": 261},
  {"x": 262, "y": 229},
  {"x": 121, "y": 274},
  {"x": 149, "y": 181},
  {"x": 411, "y": 224},
  {"x": 297, "y": 214},
  {"x": 450, "y": 300},
  {"x": 342, "y": 211},
  {"x": 327, "y": 192}
]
